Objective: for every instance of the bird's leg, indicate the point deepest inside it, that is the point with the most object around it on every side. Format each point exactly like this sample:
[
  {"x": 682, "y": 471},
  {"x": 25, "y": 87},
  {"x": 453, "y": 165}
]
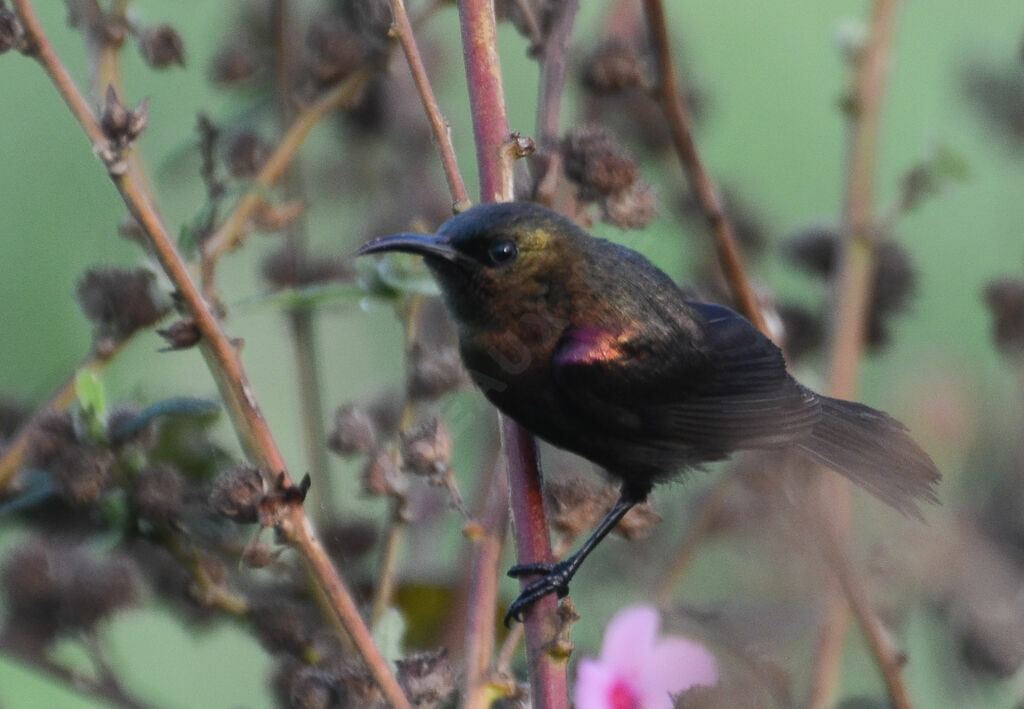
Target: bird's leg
[{"x": 554, "y": 578}]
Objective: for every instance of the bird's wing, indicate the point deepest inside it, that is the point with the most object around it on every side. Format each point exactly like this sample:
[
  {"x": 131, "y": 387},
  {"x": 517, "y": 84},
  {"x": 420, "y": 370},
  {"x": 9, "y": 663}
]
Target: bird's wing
[{"x": 728, "y": 391}]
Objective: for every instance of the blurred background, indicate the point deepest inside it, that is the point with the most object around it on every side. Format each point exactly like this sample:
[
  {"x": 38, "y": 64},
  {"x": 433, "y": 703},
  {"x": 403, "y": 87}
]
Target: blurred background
[{"x": 768, "y": 83}]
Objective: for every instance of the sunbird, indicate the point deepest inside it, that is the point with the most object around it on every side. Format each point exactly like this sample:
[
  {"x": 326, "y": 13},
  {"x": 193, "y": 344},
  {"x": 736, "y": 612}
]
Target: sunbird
[{"x": 592, "y": 348}]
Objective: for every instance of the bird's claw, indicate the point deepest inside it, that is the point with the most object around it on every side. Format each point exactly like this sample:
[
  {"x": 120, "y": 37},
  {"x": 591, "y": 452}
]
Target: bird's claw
[{"x": 554, "y": 578}]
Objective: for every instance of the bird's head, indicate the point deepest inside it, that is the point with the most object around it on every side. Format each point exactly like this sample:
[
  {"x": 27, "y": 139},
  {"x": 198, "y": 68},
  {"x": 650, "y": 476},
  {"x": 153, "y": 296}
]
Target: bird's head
[{"x": 496, "y": 260}]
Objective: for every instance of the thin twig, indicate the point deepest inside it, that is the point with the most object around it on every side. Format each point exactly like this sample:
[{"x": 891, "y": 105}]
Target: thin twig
[
  {"x": 851, "y": 300},
  {"x": 442, "y": 131},
  {"x": 482, "y": 598},
  {"x": 548, "y": 681},
  {"x": 232, "y": 231},
  {"x": 695, "y": 534},
  {"x": 700, "y": 181},
  {"x": 224, "y": 362}
]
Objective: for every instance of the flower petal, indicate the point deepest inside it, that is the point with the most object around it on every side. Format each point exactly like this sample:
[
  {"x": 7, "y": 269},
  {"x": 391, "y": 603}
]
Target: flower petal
[
  {"x": 630, "y": 635},
  {"x": 673, "y": 665},
  {"x": 594, "y": 682}
]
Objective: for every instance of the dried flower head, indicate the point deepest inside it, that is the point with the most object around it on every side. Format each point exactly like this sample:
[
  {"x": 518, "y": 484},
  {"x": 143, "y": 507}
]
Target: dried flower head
[
  {"x": 237, "y": 494},
  {"x": 427, "y": 678},
  {"x": 81, "y": 471},
  {"x": 432, "y": 373},
  {"x": 814, "y": 249},
  {"x": 998, "y": 94},
  {"x": 427, "y": 449},
  {"x": 382, "y": 475},
  {"x": 353, "y": 431},
  {"x": 371, "y": 19},
  {"x": 258, "y": 555},
  {"x": 162, "y": 46},
  {"x": 245, "y": 151},
  {"x": 11, "y": 32},
  {"x": 803, "y": 330},
  {"x": 236, "y": 63},
  {"x": 96, "y": 589},
  {"x": 180, "y": 335},
  {"x": 360, "y": 687},
  {"x": 634, "y": 207},
  {"x": 576, "y": 505},
  {"x": 283, "y": 624},
  {"x": 13, "y": 415},
  {"x": 1005, "y": 300},
  {"x": 118, "y": 302},
  {"x": 597, "y": 163},
  {"x": 333, "y": 50},
  {"x": 120, "y": 125},
  {"x": 157, "y": 494},
  {"x": 612, "y": 67},
  {"x": 349, "y": 540},
  {"x": 315, "y": 688},
  {"x": 286, "y": 268}
]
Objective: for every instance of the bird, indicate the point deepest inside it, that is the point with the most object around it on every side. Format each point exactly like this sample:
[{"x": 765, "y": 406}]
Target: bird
[{"x": 589, "y": 346}]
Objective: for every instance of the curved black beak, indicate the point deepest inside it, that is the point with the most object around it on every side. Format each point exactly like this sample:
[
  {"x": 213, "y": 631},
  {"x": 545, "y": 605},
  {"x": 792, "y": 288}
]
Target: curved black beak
[{"x": 422, "y": 244}]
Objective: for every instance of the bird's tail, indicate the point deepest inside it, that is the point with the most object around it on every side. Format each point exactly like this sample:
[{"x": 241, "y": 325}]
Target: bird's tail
[{"x": 875, "y": 451}]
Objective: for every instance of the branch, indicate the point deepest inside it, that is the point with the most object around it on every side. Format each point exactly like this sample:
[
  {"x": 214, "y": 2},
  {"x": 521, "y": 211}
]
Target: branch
[
  {"x": 490, "y": 131},
  {"x": 851, "y": 300},
  {"x": 483, "y": 591},
  {"x": 442, "y": 131},
  {"x": 703, "y": 187},
  {"x": 225, "y": 364},
  {"x": 234, "y": 228}
]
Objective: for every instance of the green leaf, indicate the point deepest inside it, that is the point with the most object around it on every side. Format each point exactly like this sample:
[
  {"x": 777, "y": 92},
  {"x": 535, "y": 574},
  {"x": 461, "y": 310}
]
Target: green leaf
[
  {"x": 89, "y": 393},
  {"x": 307, "y": 298},
  {"x": 177, "y": 406},
  {"x": 388, "y": 632}
]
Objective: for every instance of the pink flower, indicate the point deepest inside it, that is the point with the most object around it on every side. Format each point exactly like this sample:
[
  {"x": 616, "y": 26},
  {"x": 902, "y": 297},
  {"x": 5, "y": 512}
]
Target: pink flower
[{"x": 639, "y": 670}]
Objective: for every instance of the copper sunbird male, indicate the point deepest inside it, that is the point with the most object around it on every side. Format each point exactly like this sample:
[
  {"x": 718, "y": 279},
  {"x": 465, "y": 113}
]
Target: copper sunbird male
[{"x": 592, "y": 348}]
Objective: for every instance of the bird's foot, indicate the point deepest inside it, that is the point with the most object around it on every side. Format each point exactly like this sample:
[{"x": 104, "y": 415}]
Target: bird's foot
[{"x": 554, "y": 578}]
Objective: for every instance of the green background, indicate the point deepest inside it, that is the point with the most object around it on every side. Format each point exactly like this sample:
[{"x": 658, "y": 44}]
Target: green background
[{"x": 774, "y": 78}]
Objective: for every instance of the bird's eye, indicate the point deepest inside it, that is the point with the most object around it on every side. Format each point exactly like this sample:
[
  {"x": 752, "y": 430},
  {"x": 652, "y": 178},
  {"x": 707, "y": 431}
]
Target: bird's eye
[{"x": 503, "y": 253}]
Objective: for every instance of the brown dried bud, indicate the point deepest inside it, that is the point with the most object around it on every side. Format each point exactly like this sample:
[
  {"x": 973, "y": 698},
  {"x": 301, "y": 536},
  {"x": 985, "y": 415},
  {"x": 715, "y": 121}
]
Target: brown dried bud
[
  {"x": 360, "y": 686},
  {"x": 157, "y": 494},
  {"x": 577, "y": 504},
  {"x": 372, "y": 19},
  {"x": 245, "y": 152},
  {"x": 350, "y": 540},
  {"x": 631, "y": 208},
  {"x": 287, "y": 268},
  {"x": 803, "y": 330},
  {"x": 237, "y": 494},
  {"x": 11, "y": 32},
  {"x": 596, "y": 162},
  {"x": 613, "y": 67},
  {"x": 427, "y": 449},
  {"x": 333, "y": 51},
  {"x": 162, "y": 46},
  {"x": 236, "y": 63},
  {"x": 381, "y": 475},
  {"x": 283, "y": 625},
  {"x": 120, "y": 125},
  {"x": 353, "y": 432},
  {"x": 119, "y": 302},
  {"x": 270, "y": 217},
  {"x": 180, "y": 335},
  {"x": 814, "y": 249},
  {"x": 97, "y": 589},
  {"x": 1005, "y": 300},
  {"x": 427, "y": 678},
  {"x": 434, "y": 372},
  {"x": 314, "y": 688},
  {"x": 258, "y": 555},
  {"x": 81, "y": 471}
]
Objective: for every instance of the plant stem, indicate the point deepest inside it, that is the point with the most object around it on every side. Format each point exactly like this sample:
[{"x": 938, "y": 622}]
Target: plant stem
[
  {"x": 678, "y": 117},
  {"x": 851, "y": 300},
  {"x": 223, "y": 359},
  {"x": 548, "y": 682},
  {"x": 442, "y": 133}
]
